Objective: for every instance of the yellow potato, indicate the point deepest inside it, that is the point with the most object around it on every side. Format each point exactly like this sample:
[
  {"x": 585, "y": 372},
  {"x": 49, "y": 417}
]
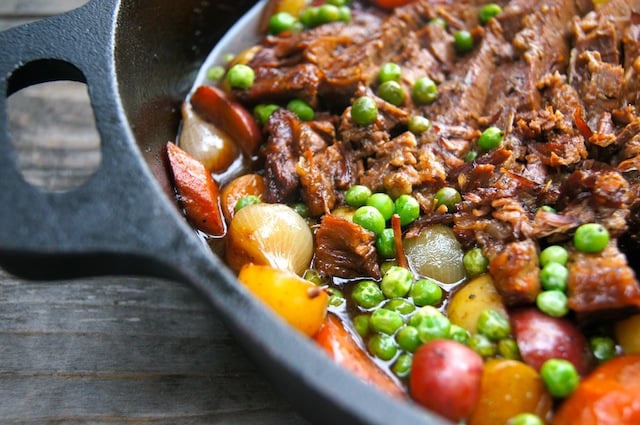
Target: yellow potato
[
  {"x": 471, "y": 300},
  {"x": 628, "y": 334},
  {"x": 509, "y": 387},
  {"x": 299, "y": 302}
]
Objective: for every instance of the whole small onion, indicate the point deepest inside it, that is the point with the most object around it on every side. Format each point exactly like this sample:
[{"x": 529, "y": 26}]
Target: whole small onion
[
  {"x": 269, "y": 234},
  {"x": 436, "y": 253},
  {"x": 205, "y": 142}
]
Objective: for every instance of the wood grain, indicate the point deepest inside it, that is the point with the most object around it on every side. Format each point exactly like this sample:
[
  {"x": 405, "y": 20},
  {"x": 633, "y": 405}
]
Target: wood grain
[{"x": 111, "y": 350}]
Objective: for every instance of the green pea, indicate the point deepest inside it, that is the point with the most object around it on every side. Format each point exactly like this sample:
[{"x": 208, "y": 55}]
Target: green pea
[
  {"x": 263, "y": 112},
  {"x": 228, "y": 57},
  {"x": 424, "y": 91},
  {"x": 463, "y": 41},
  {"x": 591, "y": 238},
  {"x": 554, "y": 303},
  {"x": 215, "y": 73},
  {"x": 344, "y": 14},
  {"x": 356, "y": 196},
  {"x": 449, "y": 197},
  {"x": 327, "y": 13},
  {"x": 493, "y": 325},
  {"x": 433, "y": 326},
  {"x": 386, "y": 321},
  {"x": 384, "y": 267},
  {"x": 602, "y": 347},
  {"x": 370, "y": 218},
  {"x": 367, "y": 294},
  {"x": 554, "y": 276},
  {"x": 302, "y": 109},
  {"x": 471, "y": 156},
  {"x": 418, "y": 124},
  {"x": 309, "y": 17},
  {"x": 361, "y": 324},
  {"x": 548, "y": 208},
  {"x": 490, "y": 138},
  {"x": 408, "y": 209},
  {"x": 408, "y": 338},
  {"x": 336, "y": 298},
  {"x": 474, "y": 262},
  {"x": 426, "y": 292},
  {"x": 554, "y": 254},
  {"x": 482, "y": 345},
  {"x": 386, "y": 243},
  {"x": 301, "y": 208},
  {"x": 337, "y": 2},
  {"x": 459, "y": 334},
  {"x": 281, "y": 22},
  {"x": 313, "y": 276},
  {"x": 364, "y": 110},
  {"x": 396, "y": 282},
  {"x": 383, "y": 203},
  {"x": 508, "y": 349},
  {"x": 438, "y": 21},
  {"x": 401, "y": 305},
  {"x": 489, "y": 11},
  {"x": 382, "y": 346},
  {"x": 560, "y": 377},
  {"x": 390, "y": 71},
  {"x": 525, "y": 419},
  {"x": 392, "y": 92},
  {"x": 402, "y": 366},
  {"x": 422, "y": 313},
  {"x": 246, "y": 201},
  {"x": 241, "y": 76}
]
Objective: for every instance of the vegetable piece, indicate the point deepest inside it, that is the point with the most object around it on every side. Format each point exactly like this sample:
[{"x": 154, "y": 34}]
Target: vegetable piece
[
  {"x": 281, "y": 22},
  {"x": 525, "y": 419},
  {"x": 240, "y": 76},
  {"x": 610, "y": 395},
  {"x": 489, "y": 11},
  {"x": 246, "y": 201},
  {"x": 494, "y": 325},
  {"x": 426, "y": 292},
  {"x": 541, "y": 337},
  {"x": 554, "y": 303},
  {"x": 386, "y": 321},
  {"x": 302, "y": 109},
  {"x": 293, "y": 7},
  {"x": 602, "y": 347},
  {"x": 364, "y": 111},
  {"x": 206, "y": 142},
  {"x": 408, "y": 338},
  {"x": 367, "y": 294},
  {"x": 424, "y": 91},
  {"x": 382, "y": 346},
  {"x": 299, "y": 302},
  {"x": 344, "y": 350},
  {"x": 591, "y": 238},
  {"x": 554, "y": 254},
  {"x": 475, "y": 263},
  {"x": 238, "y": 188},
  {"x": 490, "y": 138},
  {"x": 370, "y": 218},
  {"x": 357, "y": 195},
  {"x": 468, "y": 303},
  {"x": 509, "y": 388},
  {"x": 383, "y": 203},
  {"x": 436, "y": 253},
  {"x": 408, "y": 208},
  {"x": 269, "y": 234},
  {"x": 263, "y": 112},
  {"x": 627, "y": 333},
  {"x": 392, "y": 92},
  {"x": 390, "y": 4},
  {"x": 463, "y": 41},
  {"x": 448, "y": 197},
  {"x": 386, "y": 244},
  {"x": 396, "y": 282},
  {"x": 418, "y": 124},
  {"x": 198, "y": 191},
  {"x": 390, "y": 71},
  {"x": 216, "y": 106},
  {"x": 554, "y": 276},
  {"x": 446, "y": 378},
  {"x": 560, "y": 377}
]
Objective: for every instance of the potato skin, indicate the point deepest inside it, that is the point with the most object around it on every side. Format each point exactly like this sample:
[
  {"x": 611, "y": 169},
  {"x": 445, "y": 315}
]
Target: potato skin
[
  {"x": 446, "y": 378},
  {"x": 471, "y": 300}
]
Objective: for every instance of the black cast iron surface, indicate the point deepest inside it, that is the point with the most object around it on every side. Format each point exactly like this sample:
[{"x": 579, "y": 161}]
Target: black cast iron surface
[{"x": 138, "y": 59}]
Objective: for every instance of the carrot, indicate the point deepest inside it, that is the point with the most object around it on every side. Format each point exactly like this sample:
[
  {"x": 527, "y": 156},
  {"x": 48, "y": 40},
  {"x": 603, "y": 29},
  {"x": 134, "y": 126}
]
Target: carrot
[
  {"x": 198, "y": 191},
  {"x": 248, "y": 184},
  {"x": 343, "y": 349},
  {"x": 610, "y": 395},
  {"x": 217, "y": 107}
]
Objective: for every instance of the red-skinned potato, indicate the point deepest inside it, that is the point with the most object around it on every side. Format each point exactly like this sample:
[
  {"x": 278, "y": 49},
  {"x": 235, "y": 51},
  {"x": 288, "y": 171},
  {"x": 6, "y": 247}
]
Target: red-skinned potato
[
  {"x": 217, "y": 107},
  {"x": 343, "y": 349},
  {"x": 446, "y": 378},
  {"x": 198, "y": 191},
  {"x": 541, "y": 337},
  {"x": 609, "y": 396}
]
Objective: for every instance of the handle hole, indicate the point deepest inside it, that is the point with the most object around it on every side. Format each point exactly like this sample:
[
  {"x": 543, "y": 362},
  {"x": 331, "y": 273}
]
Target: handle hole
[{"x": 54, "y": 135}]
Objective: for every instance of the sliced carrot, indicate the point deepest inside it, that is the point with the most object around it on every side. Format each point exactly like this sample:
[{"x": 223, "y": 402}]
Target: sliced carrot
[
  {"x": 247, "y": 184},
  {"x": 217, "y": 107},
  {"x": 343, "y": 349},
  {"x": 198, "y": 191}
]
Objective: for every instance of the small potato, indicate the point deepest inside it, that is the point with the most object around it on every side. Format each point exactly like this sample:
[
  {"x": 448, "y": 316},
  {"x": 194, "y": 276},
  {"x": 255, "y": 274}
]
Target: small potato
[
  {"x": 471, "y": 300},
  {"x": 299, "y": 302},
  {"x": 628, "y": 334},
  {"x": 510, "y": 387}
]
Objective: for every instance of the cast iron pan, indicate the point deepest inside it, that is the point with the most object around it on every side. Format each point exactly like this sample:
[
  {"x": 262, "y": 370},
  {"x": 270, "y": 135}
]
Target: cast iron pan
[{"x": 139, "y": 60}]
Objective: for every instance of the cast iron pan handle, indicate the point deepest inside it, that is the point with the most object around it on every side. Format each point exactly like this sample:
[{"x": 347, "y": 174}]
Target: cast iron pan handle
[{"x": 119, "y": 221}]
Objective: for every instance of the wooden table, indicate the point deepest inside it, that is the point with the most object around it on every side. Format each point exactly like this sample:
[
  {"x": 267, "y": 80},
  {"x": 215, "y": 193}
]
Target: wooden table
[{"x": 112, "y": 350}]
